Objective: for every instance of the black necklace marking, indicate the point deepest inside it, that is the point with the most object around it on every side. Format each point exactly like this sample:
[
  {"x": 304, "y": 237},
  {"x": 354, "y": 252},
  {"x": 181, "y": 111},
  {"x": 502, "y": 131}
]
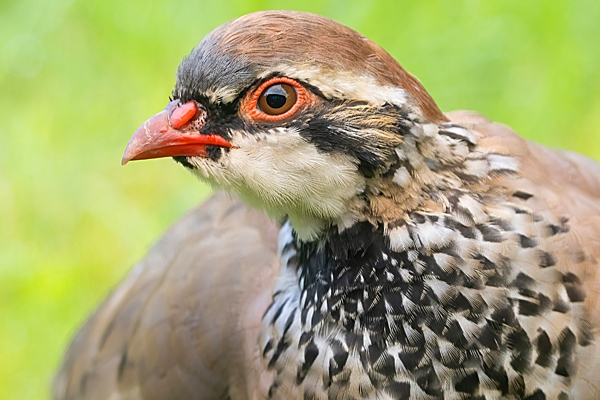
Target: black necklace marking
[{"x": 408, "y": 315}]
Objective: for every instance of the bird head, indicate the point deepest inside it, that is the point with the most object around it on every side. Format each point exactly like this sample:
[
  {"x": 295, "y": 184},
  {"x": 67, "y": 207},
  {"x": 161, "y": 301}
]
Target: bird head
[{"x": 295, "y": 113}]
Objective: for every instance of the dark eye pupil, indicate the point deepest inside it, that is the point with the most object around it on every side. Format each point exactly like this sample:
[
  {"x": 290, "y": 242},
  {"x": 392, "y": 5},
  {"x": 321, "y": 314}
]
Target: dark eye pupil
[{"x": 276, "y": 100}]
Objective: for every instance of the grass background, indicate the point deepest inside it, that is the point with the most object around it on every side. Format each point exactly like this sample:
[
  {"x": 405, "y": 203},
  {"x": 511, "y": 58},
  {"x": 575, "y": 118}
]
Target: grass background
[{"x": 78, "y": 77}]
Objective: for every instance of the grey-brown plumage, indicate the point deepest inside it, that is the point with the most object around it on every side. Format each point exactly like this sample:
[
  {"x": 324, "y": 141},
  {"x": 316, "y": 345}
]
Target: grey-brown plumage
[
  {"x": 420, "y": 255},
  {"x": 177, "y": 327}
]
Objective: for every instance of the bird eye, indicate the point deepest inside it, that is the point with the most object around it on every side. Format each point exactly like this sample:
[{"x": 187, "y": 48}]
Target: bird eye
[{"x": 277, "y": 99}]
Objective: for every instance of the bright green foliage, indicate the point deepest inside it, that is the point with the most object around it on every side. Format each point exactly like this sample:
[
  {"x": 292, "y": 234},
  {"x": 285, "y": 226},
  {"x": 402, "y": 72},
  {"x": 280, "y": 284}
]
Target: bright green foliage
[{"x": 78, "y": 77}]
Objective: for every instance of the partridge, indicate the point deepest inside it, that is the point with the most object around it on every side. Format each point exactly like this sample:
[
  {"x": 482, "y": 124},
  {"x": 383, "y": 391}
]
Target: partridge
[{"x": 412, "y": 255}]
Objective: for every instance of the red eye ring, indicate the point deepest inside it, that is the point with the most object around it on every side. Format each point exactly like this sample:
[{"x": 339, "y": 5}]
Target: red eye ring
[{"x": 251, "y": 106}]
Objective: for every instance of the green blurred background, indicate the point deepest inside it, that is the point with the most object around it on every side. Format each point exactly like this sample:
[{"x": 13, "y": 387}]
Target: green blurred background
[{"x": 78, "y": 77}]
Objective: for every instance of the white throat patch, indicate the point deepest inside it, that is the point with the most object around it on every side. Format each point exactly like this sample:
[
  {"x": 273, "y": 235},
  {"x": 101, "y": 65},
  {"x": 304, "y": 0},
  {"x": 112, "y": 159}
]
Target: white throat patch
[{"x": 282, "y": 173}]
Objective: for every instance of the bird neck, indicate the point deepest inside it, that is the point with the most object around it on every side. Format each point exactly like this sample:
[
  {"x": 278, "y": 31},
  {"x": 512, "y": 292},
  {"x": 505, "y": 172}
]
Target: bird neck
[
  {"x": 431, "y": 164},
  {"x": 401, "y": 229},
  {"x": 343, "y": 261},
  {"x": 335, "y": 271}
]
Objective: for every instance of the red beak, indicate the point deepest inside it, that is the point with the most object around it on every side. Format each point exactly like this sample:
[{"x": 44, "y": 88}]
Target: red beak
[{"x": 172, "y": 132}]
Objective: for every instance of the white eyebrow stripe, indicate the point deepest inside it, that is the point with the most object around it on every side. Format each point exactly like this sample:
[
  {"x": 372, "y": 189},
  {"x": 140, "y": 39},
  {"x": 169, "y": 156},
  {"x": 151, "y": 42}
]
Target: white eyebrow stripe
[
  {"x": 339, "y": 85},
  {"x": 346, "y": 85}
]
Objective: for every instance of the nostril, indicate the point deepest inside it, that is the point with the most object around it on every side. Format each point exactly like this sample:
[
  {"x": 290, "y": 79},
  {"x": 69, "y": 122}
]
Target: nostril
[{"x": 183, "y": 114}]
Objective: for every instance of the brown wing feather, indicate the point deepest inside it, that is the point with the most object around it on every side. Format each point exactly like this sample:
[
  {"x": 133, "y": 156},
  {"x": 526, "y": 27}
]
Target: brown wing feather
[
  {"x": 185, "y": 322},
  {"x": 565, "y": 188},
  {"x": 563, "y": 185}
]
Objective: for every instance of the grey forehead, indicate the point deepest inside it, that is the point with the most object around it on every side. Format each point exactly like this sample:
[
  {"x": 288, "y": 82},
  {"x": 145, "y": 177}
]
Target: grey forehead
[
  {"x": 211, "y": 73},
  {"x": 300, "y": 45},
  {"x": 236, "y": 54}
]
